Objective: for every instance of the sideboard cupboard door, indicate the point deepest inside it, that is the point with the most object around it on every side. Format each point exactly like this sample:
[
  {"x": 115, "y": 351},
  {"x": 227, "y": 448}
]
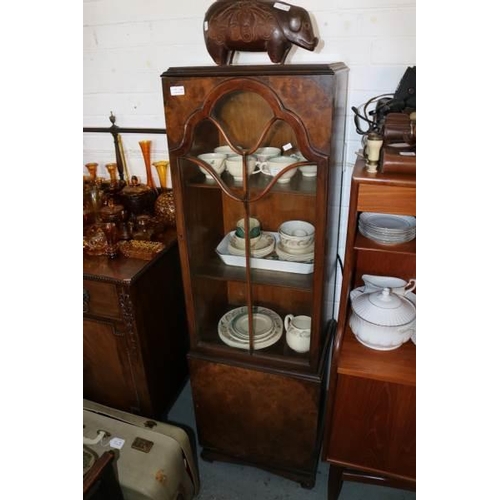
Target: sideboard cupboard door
[
  {"x": 106, "y": 367},
  {"x": 381, "y": 422}
]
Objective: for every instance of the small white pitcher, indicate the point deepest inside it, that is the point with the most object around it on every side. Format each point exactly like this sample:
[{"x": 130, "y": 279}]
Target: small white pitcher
[{"x": 298, "y": 332}]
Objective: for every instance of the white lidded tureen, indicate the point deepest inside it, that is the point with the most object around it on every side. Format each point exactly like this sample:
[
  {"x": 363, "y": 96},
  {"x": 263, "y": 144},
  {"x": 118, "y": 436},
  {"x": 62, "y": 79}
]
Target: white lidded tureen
[{"x": 382, "y": 320}]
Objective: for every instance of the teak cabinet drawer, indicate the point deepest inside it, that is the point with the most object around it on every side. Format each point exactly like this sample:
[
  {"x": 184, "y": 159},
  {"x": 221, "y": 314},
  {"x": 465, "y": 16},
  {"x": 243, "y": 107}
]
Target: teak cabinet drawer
[
  {"x": 387, "y": 199},
  {"x": 101, "y": 299}
]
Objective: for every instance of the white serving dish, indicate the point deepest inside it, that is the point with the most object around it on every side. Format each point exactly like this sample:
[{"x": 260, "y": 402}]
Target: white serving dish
[
  {"x": 382, "y": 320},
  {"x": 270, "y": 264}
]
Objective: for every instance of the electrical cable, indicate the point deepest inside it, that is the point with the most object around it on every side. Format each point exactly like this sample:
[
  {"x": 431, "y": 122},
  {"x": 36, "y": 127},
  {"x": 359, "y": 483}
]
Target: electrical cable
[{"x": 373, "y": 125}]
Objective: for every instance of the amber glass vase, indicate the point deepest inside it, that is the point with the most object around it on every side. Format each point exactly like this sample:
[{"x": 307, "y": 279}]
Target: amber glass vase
[
  {"x": 146, "y": 154},
  {"x": 164, "y": 204},
  {"x": 112, "y": 169},
  {"x": 92, "y": 169}
]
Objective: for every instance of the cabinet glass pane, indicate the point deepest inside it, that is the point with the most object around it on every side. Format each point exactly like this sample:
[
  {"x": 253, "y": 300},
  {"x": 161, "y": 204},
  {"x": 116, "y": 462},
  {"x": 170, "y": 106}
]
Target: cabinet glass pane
[{"x": 243, "y": 115}]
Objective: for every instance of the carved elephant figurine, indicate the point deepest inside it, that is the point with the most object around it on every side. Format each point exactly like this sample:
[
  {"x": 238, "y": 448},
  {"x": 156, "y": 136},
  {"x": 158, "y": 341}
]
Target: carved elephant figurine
[{"x": 256, "y": 26}]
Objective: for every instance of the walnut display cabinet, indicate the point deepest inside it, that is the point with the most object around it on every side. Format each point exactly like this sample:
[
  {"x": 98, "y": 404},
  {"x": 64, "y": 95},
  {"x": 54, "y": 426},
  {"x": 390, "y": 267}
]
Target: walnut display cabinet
[
  {"x": 370, "y": 429},
  {"x": 257, "y": 403}
]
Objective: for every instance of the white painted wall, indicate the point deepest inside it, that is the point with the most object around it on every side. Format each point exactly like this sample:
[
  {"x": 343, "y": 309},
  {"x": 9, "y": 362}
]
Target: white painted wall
[{"x": 128, "y": 44}]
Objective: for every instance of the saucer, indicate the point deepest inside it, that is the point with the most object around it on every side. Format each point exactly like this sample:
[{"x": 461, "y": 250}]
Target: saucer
[
  {"x": 297, "y": 251},
  {"x": 300, "y": 257},
  {"x": 262, "y": 248},
  {"x": 263, "y": 325}
]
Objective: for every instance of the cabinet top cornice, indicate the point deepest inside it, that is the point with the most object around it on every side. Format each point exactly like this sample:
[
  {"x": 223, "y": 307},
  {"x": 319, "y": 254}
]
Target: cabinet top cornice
[{"x": 253, "y": 70}]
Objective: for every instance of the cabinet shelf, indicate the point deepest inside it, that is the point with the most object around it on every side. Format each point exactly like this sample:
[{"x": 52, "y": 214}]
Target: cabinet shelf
[
  {"x": 278, "y": 353},
  {"x": 298, "y": 184},
  {"x": 213, "y": 268},
  {"x": 363, "y": 243}
]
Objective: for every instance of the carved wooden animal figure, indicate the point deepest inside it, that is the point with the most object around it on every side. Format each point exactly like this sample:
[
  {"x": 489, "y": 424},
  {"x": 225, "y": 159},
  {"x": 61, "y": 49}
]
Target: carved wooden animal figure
[{"x": 256, "y": 26}]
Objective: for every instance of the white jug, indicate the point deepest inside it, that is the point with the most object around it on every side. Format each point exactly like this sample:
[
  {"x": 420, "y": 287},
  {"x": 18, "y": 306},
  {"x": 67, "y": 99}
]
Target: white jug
[{"x": 298, "y": 332}]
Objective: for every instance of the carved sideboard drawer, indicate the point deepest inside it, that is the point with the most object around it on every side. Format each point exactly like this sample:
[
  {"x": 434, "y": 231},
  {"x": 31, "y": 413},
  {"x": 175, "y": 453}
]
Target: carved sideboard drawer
[{"x": 101, "y": 299}]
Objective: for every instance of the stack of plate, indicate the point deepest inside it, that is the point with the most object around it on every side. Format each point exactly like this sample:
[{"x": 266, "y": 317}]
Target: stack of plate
[
  {"x": 387, "y": 229},
  {"x": 263, "y": 247},
  {"x": 234, "y": 328},
  {"x": 306, "y": 255}
]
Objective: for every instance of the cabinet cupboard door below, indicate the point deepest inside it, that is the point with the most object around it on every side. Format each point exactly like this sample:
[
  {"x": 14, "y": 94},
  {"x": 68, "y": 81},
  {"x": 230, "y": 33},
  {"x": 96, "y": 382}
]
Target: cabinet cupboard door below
[
  {"x": 374, "y": 426},
  {"x": 107, "y": 377}
]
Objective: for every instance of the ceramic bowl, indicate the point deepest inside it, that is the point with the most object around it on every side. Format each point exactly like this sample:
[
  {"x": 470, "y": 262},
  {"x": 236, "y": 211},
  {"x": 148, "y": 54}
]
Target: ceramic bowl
[
  {"x": 234, "y": 165},
  {"x": 309, "y": 170},
  {"x": 296, "y": 236}
]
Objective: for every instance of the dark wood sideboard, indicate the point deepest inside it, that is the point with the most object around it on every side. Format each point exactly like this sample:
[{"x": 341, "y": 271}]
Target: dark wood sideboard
[{"x": 134, "y": 331}]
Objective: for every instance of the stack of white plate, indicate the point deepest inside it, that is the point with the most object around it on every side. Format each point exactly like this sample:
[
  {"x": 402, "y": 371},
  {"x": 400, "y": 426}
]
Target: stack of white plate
[
  {"x": 387, "y": 229},
  {"x": 234, "y": 328}
]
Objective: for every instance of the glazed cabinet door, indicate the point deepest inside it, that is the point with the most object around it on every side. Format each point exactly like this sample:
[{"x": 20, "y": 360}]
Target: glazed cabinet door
[{"x": 242, "y": 286}]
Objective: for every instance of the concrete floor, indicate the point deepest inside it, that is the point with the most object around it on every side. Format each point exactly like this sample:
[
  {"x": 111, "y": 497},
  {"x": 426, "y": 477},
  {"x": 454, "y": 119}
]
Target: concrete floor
[{"x": 223, "y": 481}]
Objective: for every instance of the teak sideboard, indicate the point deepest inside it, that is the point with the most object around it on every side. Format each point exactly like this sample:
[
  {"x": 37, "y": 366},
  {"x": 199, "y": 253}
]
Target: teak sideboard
[
  {"x": 134, "y": 331},
  {"x": 370, "y": 432}
]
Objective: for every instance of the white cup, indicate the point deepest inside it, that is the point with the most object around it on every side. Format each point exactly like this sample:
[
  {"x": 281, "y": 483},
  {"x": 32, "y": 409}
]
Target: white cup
[
  {"x": 298, "y": 332},
  {"x": 275, "y": 165},
  {"x": 254, "y": 232},
  {"x": 234, "y": 165},
  {"x": 263, "y": 154}
]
